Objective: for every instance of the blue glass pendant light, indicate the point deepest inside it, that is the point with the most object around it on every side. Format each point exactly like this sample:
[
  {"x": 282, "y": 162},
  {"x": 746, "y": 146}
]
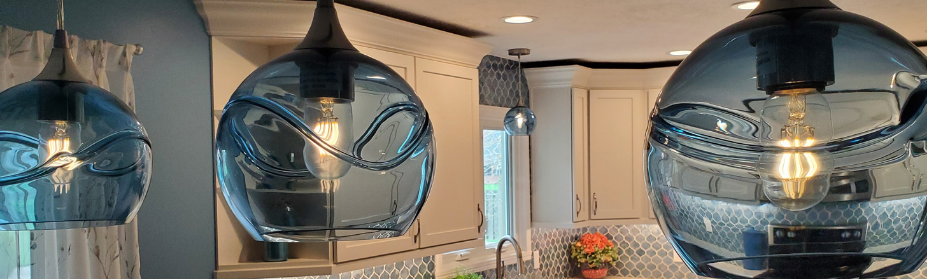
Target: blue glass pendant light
[
  {"x": 520, "y": 120},
  {"x": 71, "y": 154},
  {"x": 792, "y": 145},
  {"x": 324, "y": 144}
]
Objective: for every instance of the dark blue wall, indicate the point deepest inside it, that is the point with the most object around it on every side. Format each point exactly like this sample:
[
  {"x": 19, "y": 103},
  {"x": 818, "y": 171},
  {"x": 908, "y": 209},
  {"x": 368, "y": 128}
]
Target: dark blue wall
[{"x": 173, "y": 99}]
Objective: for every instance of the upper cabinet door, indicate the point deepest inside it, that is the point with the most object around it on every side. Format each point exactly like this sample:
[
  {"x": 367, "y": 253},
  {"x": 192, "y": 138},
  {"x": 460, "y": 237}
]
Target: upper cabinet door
[
  {"x": 616, "y": 140},
  {"x": 453, "y": 211},
  {"x": 404, "y": 65},
  {"x": 581, "y": 207}
]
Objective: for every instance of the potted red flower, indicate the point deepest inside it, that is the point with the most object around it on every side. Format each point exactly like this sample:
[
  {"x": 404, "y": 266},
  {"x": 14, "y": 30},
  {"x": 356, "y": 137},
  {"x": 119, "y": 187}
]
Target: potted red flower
[{"x": 594, "y": 253}]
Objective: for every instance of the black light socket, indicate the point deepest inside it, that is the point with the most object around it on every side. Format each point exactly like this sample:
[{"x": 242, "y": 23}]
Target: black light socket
[
  {"x": 61, "y": 105},
  {"x": 327, "y": 79},
  {"x": 790, "y": 56}
]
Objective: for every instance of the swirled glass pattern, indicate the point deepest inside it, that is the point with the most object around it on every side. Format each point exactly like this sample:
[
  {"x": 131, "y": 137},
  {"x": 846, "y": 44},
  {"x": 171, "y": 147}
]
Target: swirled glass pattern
[
  {"x": 89, "y": 169},
  {"x": 297, "y": 165},
  {"x": 708, "y": 137}
]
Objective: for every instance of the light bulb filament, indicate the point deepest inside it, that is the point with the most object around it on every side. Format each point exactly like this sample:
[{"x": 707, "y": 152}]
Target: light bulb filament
[
  {"x": 796, "y": 168},
  {"x": 520, "y": 120},
  {"x": 327, "y": 128},
  {"x": 59, "y": 147}
]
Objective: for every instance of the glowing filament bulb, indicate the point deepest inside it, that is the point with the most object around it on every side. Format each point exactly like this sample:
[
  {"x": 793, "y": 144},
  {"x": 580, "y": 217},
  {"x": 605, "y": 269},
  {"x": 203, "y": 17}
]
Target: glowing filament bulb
[
  {"x": 61, "y": 139},
  {"x": 797, "y": 176},
  {"x": 327, "y": 129},
  {"x": 795, "y": 168},
  {"x": 331, "y": 122}
]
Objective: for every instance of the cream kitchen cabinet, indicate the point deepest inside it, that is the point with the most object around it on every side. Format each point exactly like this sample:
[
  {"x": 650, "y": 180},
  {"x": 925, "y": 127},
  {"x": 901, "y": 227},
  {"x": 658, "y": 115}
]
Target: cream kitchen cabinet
[
  {"x": 617, "y": 121},
  {"x": 440, "y": 66},
  {"x": 587, "y": 150},
  {"x": 452, "y": 213},
  {"x": 345, "y": 251},
  {"x": 559, "y": 157}
]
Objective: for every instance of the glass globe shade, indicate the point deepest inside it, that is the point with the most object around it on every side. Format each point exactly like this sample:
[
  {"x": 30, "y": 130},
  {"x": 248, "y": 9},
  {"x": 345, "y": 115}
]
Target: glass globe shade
[
  {"x": 301, "y": 160},
  {"x": 790, "y": 145},
  {"x": 72, "y": 155},
  {"x": 519, "y": 121}
]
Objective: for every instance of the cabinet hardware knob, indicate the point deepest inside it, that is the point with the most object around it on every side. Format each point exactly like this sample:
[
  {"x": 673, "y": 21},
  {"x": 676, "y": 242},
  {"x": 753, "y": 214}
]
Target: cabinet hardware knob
[{"x": 595, "y": 200}]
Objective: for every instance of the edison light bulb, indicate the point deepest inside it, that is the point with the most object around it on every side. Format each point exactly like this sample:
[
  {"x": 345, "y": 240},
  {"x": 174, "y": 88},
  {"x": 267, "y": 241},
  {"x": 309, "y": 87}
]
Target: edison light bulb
[
  {"x": 795, "y": 169},
  {"x": 58, "y": 141},
  {"x": 519, "y": 121},
  {"x": 331, "y": 121}
]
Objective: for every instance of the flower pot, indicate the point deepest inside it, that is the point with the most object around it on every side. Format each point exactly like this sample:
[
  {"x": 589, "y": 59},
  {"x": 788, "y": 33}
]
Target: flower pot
[{"x": 594, "y": 272}]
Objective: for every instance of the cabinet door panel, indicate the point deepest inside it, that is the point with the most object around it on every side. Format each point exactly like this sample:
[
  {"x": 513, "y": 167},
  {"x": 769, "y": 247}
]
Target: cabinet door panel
[
  {"x": 616, "y": 126},
  {"x": 450, "y": 94},
  {"x": 580, "y": 154},
  {"x": 404, "y": 65}
]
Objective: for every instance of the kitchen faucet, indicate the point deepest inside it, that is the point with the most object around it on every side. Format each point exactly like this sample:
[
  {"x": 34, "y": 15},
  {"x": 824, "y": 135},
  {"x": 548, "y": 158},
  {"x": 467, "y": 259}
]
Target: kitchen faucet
[{"x": 500, "y": 269}]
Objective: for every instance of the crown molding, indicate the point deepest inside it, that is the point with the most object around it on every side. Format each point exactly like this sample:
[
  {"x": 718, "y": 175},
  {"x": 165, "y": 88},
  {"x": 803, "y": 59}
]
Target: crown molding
[
  {"x": 630, "y": 78},
  {"x": 279, "y": 21},
  {"x": 583, "y": 77},
  {"x": 587, "y": 78},
  {"x": 558, "y": 76}
]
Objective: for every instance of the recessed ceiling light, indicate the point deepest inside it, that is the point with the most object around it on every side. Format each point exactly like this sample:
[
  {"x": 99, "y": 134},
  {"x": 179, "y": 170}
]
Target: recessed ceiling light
[
  {"x": 519, "y": 19},
  {"x": 749, "y": 5},
  {"x": 680, "y": 52}
]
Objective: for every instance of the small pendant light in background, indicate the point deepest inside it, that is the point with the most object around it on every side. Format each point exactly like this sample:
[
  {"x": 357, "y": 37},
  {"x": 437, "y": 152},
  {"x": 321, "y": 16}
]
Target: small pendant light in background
[
  {"x": 325, "y": 143},
  {"x": 71, "y": 154},
  {"x": 520, "y": 120}
]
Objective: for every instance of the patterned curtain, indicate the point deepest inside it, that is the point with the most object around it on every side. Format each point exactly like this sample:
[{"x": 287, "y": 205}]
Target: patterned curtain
[{"x": 103, "y": 252}]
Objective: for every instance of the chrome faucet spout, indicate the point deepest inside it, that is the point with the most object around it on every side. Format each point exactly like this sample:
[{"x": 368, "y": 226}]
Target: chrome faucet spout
[{"x": 500, "y": 268}]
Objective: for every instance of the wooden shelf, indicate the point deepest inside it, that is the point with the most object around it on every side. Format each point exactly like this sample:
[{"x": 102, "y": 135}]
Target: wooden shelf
[
  {"x": 290, "y": 268},
  {"x": 312, "y": 267}
]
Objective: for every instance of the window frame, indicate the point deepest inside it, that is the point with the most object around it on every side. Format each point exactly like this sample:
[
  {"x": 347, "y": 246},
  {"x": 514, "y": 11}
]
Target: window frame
[{"x": 483, "y": 256}]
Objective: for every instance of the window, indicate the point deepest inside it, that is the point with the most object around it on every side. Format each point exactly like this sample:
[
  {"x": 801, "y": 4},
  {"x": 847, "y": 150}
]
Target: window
[
  {"x": 16, "y": 245},
  {"x": 496, "y": 185},
  {"x": 505, "y": 199}
]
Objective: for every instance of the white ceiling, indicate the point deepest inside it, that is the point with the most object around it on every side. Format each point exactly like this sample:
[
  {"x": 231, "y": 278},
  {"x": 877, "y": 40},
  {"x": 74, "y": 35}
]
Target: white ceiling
[{"x": 624, "y": 30}]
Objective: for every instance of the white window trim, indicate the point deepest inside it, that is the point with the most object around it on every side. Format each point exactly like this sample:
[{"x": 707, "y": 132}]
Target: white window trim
[{"x": 484, "y": 258}]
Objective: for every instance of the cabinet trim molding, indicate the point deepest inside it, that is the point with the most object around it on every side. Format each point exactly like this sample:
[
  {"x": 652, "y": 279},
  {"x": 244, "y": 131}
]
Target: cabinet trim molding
[
  {"x": 276, "y": 22},
  {"x": 559, "y": 76},
  {"x": 586, "y": 78}
]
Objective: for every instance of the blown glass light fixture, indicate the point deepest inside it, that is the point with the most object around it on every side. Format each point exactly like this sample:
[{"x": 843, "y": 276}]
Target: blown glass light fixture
[
  {"x": 520, "y": 120},
  {"x": 72, "y": 154},
  {"x": 792, "y": 145},
  {"x": 325, "y": 143}
]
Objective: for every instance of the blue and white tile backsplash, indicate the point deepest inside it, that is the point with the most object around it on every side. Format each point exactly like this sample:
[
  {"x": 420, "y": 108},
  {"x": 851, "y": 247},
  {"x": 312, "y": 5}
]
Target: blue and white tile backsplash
[
  {"x": 643, "y": 253},
  {"x": 498, "y": 82},
  {"x": 889, "y": 224}
]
